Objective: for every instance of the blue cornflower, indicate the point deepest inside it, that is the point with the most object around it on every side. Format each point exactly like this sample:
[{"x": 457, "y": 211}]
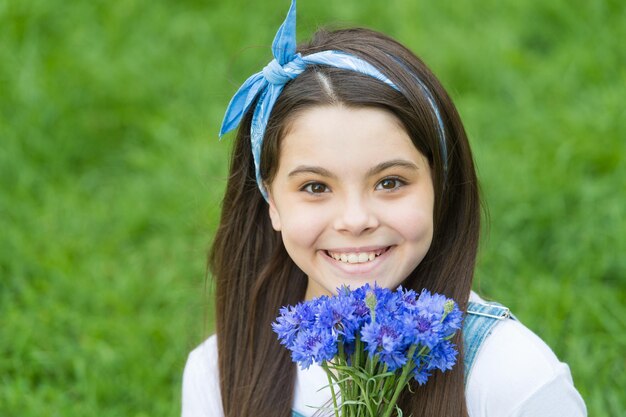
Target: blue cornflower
[
  {"x": 452, "y": 322},
  {"x": 442, "y": 356},
  {"x": 388, "y": 303},
  {"x": 421, "y": 329},
  {"x": 420, "y": 373},
  {"x": 291, "y": 320},
  {"x": 387, "y": 341},
  {"x": 314, "y": 345},
  {"x": 409, "y": 298},
  {"x": 431, "y": 305},
  {"x": 389, "y": 323},
  {"x": 357, "y": 299},
  {"x": 357, "y": 314},
  {"x": 338, "y": 313}
]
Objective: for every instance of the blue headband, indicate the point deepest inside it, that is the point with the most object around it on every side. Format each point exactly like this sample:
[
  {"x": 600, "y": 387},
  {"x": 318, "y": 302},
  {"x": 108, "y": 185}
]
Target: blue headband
[{"x": 287, "y": 65}]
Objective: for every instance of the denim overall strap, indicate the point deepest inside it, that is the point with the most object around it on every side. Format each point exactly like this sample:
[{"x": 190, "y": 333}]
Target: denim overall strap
[{"x": 480, "y": 320}]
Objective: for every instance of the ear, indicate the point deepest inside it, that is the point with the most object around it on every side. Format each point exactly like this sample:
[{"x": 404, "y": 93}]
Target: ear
[{"x": 273, "y": 212}]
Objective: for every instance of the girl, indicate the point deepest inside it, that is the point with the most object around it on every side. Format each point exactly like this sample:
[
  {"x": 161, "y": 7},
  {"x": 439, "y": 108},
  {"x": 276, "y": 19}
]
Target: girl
[{"x": 352, "y": 166}]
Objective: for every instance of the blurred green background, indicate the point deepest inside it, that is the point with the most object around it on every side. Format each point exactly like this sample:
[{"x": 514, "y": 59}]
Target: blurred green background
[{"x": 111, "y": 177}]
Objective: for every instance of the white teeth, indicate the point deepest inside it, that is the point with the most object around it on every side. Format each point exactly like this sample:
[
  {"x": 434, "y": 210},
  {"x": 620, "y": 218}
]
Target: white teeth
[{"x": 355, "y": 258}]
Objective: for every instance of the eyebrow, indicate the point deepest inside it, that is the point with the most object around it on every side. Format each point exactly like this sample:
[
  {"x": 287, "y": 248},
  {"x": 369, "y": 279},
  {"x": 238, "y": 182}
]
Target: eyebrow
[
  {"x": 310, "y": 169},
  {"x": 394, "y": 163}
]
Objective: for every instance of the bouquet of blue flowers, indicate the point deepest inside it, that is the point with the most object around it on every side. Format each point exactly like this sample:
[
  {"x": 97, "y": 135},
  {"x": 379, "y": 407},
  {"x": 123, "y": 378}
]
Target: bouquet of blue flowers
[{"x": 371, "y": 342}]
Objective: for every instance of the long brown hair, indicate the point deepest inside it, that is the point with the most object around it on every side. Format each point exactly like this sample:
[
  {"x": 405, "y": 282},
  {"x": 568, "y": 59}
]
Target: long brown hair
[{"x": 253, "y": 272}]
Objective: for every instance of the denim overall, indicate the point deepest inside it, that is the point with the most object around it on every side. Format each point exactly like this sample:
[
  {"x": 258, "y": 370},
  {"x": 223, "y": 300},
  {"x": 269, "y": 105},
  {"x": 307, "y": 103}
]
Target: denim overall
[{"x": 480, "y": 320}]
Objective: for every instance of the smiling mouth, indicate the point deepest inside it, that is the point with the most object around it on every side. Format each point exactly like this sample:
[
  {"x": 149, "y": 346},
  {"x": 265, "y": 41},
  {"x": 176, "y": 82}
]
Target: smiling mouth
[{"x": 356, "y": 257}]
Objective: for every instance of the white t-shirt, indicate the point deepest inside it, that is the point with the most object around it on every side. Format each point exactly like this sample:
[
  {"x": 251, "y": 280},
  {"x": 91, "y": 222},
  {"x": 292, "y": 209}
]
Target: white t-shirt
[{"x": 515, "y": 374}]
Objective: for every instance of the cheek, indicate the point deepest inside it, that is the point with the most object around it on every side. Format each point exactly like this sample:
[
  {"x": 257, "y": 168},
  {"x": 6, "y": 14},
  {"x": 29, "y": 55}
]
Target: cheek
[
  {"x": 415, "y": 224},
  {"x": 302, "y": 228}
]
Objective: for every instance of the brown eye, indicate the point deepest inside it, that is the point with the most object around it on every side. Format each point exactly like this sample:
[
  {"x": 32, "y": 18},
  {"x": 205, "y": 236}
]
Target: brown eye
[
  {"x": 315, "y": 188},
  {"x": 389, "y": 184}
]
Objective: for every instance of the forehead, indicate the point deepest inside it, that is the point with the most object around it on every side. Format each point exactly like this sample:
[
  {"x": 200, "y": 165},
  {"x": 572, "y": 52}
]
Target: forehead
[{"x": 340, "y": 134}]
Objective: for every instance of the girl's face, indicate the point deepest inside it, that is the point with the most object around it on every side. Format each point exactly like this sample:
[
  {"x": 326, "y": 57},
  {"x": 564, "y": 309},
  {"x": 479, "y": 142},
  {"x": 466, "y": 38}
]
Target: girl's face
[{"x": 352, "y": 197}]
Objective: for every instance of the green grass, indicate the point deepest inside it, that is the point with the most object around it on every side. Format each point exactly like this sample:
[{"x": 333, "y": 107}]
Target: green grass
[{"x": 111, "y": 176}]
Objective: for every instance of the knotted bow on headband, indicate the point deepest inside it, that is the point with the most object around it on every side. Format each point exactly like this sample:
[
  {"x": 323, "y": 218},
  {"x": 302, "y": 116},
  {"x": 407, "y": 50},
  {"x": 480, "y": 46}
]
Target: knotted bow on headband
[{"x": 287, "y": 65}]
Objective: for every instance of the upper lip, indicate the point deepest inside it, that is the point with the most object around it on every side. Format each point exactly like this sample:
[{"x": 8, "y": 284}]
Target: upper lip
[{"x": 357, "y": 249}]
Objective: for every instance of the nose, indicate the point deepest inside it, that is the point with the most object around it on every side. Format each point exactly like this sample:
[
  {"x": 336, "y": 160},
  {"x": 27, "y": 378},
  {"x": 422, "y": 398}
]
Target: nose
[{"x": 357, "y": 215}]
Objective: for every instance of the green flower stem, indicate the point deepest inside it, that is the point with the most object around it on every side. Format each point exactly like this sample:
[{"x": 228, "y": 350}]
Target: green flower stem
[
  {"x": 401, "y": 383},
  {"x": 380, "y": 383},
  {"x": 357, "y": 353},
  {"x": 332, "y": 390},
  {"x": 357, "y": 364},
  {"x": 343, "y": 386},
  {"x": 389, "y": 384},
  {"x": 370, "y": 364},
  {"x": 365, "y": 397}
]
